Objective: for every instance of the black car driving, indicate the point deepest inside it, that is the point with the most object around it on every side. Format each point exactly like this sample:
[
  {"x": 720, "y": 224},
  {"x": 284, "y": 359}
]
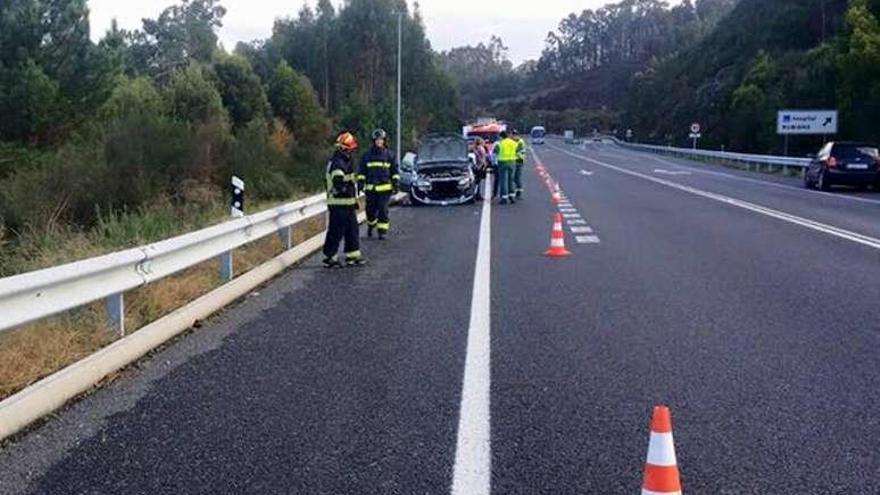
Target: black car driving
[{"x": 844, "y": 163}]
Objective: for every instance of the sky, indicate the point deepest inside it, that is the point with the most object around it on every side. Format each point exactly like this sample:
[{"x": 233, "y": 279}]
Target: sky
[{"x": 523, "y": 25}]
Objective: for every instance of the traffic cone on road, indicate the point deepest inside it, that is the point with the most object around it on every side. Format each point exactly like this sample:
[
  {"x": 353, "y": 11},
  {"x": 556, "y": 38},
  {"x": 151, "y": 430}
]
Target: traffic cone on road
[
  {"x": 557, "y": 240},
  {"x": 661, "y": 468},
  {"x": 556, "y": 198}
]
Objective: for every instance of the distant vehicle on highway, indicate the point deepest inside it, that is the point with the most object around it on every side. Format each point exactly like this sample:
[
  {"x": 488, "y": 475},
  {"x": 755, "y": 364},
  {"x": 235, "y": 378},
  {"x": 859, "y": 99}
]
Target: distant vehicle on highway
[
  {"x": 569, "y": 136},
  {"x": 538, "y": 132},
  {"x": 844, "y": 163},
  {"x": 444, "y": 172}
]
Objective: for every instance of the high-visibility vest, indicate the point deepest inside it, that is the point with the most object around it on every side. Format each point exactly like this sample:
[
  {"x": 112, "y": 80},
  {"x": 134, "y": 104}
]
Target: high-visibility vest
[
  {"x": 507, "y": 151},
  {"x": 520, "y": 151}
]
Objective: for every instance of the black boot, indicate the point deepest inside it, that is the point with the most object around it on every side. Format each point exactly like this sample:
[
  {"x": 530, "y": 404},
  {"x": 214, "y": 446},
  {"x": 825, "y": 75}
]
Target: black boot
[
  {"x": 355, "y": 262},
  {"x": 331, "y": 262},
  {"x": 369, "y": 231}
]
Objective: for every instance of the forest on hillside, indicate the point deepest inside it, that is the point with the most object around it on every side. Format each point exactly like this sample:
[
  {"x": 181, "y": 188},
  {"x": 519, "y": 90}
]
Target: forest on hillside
[
  {"x": 654, "y": 68},
  {"x": 151, "y": 123}
]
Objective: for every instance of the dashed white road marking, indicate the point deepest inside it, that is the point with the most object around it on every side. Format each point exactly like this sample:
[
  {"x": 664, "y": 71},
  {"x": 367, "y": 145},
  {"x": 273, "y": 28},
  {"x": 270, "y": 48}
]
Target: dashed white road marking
[
  {"x": 763, "y": 210},
  {"x": 576, "y": 223},
  {"x": 671, "y": 172},
  {"x": 473, "y": 451}
]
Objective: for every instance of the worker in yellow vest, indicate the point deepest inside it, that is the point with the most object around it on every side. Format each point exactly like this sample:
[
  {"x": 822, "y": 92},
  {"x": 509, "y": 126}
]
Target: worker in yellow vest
[
  {"x": 505, "y": 150},
  {"x": 520, "y": 164}
]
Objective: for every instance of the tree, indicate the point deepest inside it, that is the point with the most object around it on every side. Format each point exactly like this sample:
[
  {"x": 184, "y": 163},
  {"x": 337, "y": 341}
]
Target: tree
[
  {"x": 240, "y": 89},
  {"x": 182, "y": 34},
  {"x": 859, "y": 66},
  {"x": 192, "y": 97},
  {"x": 296, "y": 104},
  {"x": 52, "y": 77}
]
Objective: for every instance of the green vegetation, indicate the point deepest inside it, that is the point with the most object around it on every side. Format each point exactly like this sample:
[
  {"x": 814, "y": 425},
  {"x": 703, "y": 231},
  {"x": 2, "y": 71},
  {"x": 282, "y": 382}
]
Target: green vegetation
[
  {"x": 728, "y": 64},
  {"x": 109, "y": 144}
]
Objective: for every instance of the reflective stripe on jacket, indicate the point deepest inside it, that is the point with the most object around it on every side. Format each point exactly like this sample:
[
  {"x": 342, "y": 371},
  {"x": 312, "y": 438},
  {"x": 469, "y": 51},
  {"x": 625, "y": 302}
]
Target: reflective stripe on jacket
[
  {"x": 378, "y": 170},
  {"x": 341, "y": 181}
]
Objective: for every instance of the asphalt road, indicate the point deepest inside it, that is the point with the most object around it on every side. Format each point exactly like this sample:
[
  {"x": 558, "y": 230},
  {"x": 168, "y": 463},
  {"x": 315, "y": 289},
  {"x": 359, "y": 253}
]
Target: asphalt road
[{"x": 749, "y": 306}]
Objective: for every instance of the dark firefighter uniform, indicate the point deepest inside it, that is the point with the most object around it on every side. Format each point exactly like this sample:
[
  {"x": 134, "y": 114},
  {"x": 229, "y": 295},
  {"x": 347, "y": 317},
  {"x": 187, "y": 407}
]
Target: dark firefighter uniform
[
  {"x": 342, "y": 204},
  {"x": 380, "y": 176}
]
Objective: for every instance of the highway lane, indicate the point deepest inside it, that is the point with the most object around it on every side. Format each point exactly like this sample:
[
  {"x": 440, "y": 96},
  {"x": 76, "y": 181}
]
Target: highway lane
[
  {"x": 688, "y": 302},
  {"x": 327, "y": 382},
  {"x": 842, "y": 207},
  {"x": 767, "y": 358}
]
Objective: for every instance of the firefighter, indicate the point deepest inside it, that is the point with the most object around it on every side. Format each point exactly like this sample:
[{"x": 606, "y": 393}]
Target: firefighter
[
  {"x": 506, "y": 153},
  {"x": 380, "y": 177},
  {"x": 342, "y": 194},
  {"x": 520, "y": 164}
]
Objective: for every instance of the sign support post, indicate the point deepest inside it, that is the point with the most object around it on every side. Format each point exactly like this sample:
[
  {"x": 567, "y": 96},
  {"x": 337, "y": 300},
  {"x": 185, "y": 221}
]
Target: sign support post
[{"x": 695, "y": 133}]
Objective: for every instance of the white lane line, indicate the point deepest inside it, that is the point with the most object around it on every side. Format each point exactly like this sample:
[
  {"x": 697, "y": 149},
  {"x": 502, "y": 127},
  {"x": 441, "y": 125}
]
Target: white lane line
[
  {"x": 581, "y": 230},
  {"x": 586, "y": 173},
  {"x": 571, "y": 215},
  {"x": 671, "y": 172},
  {"x": 565, "y": 205},
  {"x": 473, "y": 450},
  {"x": 763, "y": 210},
  {"x": 568, "y": 210},
  {"x": 577, "y": 221},
  {"x": 767, "y": 183},
  {"x": 587, "y": 239}
]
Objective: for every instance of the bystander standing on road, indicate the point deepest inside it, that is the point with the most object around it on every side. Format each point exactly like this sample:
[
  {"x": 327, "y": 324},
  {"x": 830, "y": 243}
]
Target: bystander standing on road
[
  {"x": 481, "y": 165},
  {"x": 521, "y": 148}
]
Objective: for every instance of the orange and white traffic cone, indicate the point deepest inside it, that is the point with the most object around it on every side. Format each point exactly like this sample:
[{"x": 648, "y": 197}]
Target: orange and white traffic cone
[
  {"x": 661, "y": 468},
  {"x": 556, "y": 198},
  {"x": 557, "y": 240}
]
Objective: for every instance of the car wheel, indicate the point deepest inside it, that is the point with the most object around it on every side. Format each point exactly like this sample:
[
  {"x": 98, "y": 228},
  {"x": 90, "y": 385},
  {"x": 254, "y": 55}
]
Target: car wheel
[
  {"x": 824, "y": 184},
  {"x": 413, "y": 201},
  {"x": 807, "y": 182}
]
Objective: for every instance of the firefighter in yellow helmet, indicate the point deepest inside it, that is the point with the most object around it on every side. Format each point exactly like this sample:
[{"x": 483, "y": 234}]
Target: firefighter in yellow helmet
[
  {"x": 380, "y": 176},
  {"x": 342, "y": 197}
]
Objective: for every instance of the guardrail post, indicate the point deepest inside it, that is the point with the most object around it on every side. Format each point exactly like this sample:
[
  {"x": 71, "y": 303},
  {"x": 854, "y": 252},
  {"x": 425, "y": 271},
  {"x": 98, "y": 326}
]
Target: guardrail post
[
  {"x": 286, "y": 234},
  {"x": 226, "y": 270},
  {"x": 115, "y": 306}
]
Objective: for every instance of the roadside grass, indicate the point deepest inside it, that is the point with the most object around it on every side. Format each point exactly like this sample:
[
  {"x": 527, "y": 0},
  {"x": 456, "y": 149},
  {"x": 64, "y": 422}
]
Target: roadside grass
[{"x": 35, "y": 351}]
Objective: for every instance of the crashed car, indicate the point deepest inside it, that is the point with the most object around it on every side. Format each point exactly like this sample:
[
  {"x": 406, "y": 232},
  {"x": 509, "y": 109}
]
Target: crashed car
[{"x": 444, "y": 172}]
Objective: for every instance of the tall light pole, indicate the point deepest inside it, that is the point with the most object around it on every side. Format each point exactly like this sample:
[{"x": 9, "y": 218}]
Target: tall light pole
[{"x": 399, "y": 76}]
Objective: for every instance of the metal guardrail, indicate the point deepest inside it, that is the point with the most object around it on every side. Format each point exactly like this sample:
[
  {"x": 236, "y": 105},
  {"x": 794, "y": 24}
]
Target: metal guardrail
[
  {"x": 780, "y": 161},
  {"x": 36, "y": 295}
]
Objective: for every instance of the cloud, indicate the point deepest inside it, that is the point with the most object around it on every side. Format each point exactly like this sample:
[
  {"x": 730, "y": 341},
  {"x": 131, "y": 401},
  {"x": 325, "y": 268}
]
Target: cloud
[{"x": 522, "y": 24}]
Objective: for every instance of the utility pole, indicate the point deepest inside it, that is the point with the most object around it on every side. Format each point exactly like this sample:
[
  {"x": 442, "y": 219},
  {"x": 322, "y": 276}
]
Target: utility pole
[{"x": 399, "y": 78}]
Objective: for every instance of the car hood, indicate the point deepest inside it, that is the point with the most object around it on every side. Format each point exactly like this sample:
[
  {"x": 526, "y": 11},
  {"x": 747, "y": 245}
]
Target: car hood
[{"x": 434, "y": 166}]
